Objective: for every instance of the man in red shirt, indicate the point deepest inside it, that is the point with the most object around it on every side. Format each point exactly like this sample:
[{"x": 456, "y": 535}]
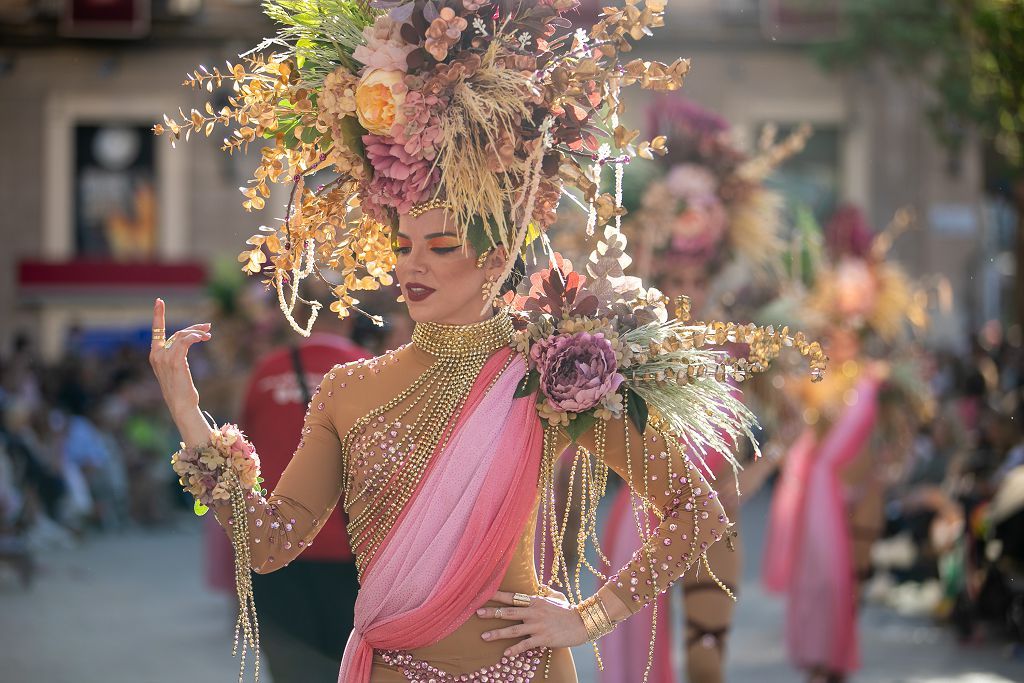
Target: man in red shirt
[{"x": 306, "y": 608}]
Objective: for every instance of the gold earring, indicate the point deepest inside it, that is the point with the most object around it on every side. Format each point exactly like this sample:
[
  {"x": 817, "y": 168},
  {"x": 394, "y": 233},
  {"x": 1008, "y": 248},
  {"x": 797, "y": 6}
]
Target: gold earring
[
  {"x": 488, "y": 287},
  {"x": 483, "y": 257}
]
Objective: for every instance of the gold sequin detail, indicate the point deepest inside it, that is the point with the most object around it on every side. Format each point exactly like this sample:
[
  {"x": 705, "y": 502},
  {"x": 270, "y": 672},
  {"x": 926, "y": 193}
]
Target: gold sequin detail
[{"x": 460, "y": 352}]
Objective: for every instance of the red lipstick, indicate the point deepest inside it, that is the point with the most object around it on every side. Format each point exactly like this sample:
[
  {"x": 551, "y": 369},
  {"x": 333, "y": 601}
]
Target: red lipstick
[{"x": 414, "y": 291}]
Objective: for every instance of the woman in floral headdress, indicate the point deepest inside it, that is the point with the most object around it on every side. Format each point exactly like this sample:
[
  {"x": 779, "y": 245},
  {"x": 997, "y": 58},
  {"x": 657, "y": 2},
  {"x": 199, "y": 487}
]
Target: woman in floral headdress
[
  {"x": 706, "y": 220},
  {"x": 454, "y": 126},
  {"x": 828, "y": 507}
]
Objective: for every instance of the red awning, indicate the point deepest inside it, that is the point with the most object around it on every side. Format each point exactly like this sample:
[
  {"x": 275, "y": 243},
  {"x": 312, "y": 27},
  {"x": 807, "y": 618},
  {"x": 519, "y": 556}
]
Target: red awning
[{"x": 88, "y": 276}]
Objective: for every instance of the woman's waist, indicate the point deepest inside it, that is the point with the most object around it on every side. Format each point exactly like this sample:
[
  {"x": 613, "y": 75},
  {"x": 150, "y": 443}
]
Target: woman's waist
[{"x": 464, "y": 650}]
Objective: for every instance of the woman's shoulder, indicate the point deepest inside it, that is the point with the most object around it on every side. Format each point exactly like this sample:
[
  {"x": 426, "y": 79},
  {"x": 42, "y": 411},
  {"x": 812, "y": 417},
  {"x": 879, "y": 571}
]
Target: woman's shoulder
[
  {"x": 362, "y": 369},
  {"x": 354, "y": 388}
]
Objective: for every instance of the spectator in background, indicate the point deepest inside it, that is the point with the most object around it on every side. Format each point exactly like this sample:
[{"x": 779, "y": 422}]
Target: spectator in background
[{"x": 306, "y": 610}]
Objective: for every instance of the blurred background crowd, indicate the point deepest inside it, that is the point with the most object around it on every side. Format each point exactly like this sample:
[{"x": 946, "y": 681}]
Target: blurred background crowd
[{"x": 914, "y": 104}]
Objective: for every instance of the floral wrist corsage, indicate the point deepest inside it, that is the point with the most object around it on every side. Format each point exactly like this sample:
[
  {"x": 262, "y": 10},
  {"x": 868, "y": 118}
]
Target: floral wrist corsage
[
  {"x": 225, "y": 469},
  {"x": 204, "y": 470}
]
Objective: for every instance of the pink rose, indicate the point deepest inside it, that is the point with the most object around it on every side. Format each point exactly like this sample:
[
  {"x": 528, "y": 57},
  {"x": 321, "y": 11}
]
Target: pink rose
[{"x": 576, "y": 370}]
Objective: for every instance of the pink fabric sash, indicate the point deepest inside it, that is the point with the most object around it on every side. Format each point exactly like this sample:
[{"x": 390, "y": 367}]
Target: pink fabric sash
[
  {"x": 452, "y": 545},
  {"x": 625, "y": 648},
  {"x": 809, "y": 553}
]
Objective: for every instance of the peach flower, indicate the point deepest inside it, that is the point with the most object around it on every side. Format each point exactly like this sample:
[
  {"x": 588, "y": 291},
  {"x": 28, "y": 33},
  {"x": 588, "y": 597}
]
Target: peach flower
[{"x": 379, "y": 98}]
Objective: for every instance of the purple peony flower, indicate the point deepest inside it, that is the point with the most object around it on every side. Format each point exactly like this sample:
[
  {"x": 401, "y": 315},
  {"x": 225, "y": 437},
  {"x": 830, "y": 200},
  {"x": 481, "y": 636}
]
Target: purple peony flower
[{"x": 576, "y": 370}]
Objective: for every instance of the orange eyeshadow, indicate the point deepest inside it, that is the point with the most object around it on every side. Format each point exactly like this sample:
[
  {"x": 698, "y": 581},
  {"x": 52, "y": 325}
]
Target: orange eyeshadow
[{"x": 444, "y": 242}]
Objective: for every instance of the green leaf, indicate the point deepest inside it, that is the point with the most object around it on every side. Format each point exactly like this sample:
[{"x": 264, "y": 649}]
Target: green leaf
[
  {"x": 352, "y": 135},
  {"x": 636, "y": 408},
  {"x": 200, "y": 509},
  {"x": 529, "y": 384},
  {"x": 581, "y": 425},
  {"x": 477, "y": 235}
]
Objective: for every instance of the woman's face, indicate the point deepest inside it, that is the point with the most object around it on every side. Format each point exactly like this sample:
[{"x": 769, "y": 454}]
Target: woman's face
[
  {"x": 439, "y": 279},
  {"x": 842, "y": 345},
  {"x": 688, "y": 279}
]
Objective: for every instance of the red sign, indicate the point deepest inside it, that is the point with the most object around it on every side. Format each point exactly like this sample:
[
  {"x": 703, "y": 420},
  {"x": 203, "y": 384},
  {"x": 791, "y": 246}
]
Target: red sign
[
  {"x": 82, "y": 276},
  {"x": 105, "y": 18}
]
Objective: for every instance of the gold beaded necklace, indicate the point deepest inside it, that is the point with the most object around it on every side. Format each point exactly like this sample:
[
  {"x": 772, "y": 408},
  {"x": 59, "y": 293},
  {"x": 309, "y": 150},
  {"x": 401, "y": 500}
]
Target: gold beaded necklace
[{"x": 437, "y": 396}]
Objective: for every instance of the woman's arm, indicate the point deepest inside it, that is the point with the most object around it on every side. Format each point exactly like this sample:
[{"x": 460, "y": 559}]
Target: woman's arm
[
  {"x": 284, "y": 524},
  {"x": 690, "y": 516},
  {"x": 281, "y": 526}
]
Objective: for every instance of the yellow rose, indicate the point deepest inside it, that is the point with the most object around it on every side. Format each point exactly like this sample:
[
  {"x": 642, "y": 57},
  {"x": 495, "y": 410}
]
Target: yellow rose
[{"x": 378, "y": 102}]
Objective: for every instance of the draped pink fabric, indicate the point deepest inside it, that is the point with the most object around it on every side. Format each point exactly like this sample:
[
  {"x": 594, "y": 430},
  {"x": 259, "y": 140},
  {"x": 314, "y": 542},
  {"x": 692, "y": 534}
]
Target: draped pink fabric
[
  {"x": 809, "y": 551},
  {"x": 786, "y": 511},
  {"x": 625, "y": 649},
  {"x": 450, "y": 549}
]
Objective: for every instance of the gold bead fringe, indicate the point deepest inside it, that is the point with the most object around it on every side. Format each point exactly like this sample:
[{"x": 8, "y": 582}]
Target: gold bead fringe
[
  {"x": 247, "y": 626},
  {"x": 436, "y": 398}
]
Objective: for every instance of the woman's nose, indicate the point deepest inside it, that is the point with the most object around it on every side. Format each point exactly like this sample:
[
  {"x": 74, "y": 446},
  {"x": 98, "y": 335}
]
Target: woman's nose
[{"x": 416, "y": 262}]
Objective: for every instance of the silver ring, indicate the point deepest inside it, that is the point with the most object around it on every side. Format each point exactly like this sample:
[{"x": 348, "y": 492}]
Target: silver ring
[
  {"x": 168, "y": 342},
  {"x": 497, "y": 613}
]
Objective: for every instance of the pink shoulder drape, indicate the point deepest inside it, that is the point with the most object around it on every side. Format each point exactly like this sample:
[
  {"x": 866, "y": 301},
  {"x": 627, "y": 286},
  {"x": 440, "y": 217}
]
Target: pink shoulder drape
[{"x": 452, "y": 545}]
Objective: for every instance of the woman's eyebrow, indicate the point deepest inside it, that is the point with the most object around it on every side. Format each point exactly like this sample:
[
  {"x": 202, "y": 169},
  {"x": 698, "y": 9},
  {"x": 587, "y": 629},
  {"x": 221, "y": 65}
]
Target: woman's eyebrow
[{"x": 431, "y": 236}]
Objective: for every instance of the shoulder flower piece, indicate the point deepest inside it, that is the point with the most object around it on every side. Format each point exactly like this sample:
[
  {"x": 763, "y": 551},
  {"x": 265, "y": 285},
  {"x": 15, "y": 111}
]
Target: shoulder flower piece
[{"x": 601, "y": 347}]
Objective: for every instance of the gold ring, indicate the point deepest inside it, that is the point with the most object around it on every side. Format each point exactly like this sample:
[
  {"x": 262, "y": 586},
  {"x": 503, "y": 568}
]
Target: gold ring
[
  {"x": 521, "y": 600},
  {"x": 159, "y": 334}
]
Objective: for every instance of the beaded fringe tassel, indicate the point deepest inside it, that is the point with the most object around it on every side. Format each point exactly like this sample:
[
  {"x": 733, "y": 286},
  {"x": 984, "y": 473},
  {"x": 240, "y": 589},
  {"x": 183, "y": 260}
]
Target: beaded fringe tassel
[{"x": 247, "y": 627}]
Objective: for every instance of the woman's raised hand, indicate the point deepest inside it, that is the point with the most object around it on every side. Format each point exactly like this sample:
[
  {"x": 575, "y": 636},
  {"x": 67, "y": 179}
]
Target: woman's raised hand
[{"x": 169, "y": 359}]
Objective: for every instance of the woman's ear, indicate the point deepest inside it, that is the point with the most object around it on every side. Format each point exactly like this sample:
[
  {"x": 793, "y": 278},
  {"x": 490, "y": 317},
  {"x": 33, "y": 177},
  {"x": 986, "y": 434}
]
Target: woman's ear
[{"x": 496, "y": 258}]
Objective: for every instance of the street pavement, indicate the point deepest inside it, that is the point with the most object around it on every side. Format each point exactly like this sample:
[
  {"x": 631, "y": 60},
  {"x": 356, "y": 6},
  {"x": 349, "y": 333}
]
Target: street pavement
[{"x": 132, "y": 608}]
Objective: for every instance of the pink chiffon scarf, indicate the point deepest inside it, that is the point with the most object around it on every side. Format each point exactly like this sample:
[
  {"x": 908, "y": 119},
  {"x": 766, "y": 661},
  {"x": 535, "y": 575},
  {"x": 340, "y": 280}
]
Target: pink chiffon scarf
[
  {"x": 450, "y": 548},
  {"x": 809, "y": 549}
]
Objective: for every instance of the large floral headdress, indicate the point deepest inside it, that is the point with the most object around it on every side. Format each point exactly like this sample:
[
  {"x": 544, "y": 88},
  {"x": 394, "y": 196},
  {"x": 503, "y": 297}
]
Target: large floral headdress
[
  {"x": 859, "y": 287},
  {"x": 493, "y": 109},
  {"x": 709, "y": 204}
]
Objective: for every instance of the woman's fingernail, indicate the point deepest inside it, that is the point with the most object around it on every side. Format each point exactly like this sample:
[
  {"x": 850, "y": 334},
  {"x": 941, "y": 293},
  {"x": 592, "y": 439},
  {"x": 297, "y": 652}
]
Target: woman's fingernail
[
  {"x": 481, "y": 612},
  {"x": 486, "y": 636}
]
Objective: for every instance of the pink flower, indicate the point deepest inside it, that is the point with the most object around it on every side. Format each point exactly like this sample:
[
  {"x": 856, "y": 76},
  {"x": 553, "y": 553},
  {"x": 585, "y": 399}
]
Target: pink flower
[
  {"x": 576, "y": 370},
  {"x": 400, "y": 180},
  {"x": 419, "y": 130},
  {"x": 384, "y": 48}
]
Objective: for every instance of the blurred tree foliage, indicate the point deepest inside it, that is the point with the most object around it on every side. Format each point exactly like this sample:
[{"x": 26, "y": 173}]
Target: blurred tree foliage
[
  {"x": 971, "y": 55},
  {"x": 971, "y": 52}
]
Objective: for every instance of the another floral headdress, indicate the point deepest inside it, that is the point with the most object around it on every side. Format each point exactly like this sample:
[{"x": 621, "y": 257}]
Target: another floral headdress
[
  {"x": 494, "y": 109},
  {"x": 709, "y": 205},
  {"x": 859, "y": 287}
]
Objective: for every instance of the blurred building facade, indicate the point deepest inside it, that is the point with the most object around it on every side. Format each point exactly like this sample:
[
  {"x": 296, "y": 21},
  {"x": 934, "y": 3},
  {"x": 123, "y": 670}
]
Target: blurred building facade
[{"x": 99, "y": 216}]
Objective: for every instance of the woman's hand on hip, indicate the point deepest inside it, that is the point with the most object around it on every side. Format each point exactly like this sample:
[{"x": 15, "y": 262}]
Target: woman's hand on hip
[{"x": 549, "y": 621}]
